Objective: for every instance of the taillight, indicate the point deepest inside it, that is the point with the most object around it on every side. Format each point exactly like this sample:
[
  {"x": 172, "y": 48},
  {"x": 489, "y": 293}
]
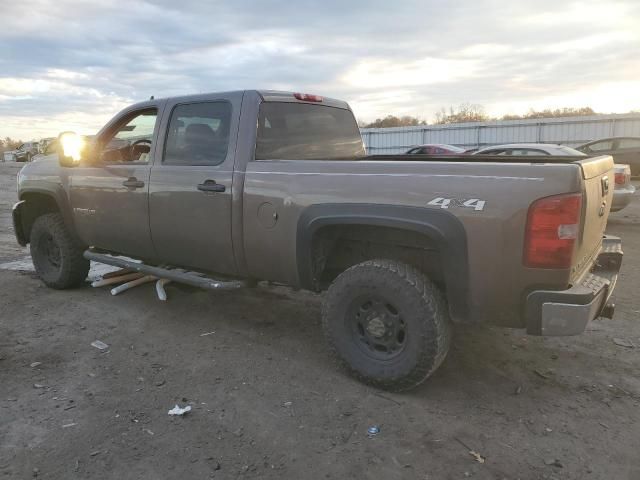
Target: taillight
[
  {"x": 306, "y": 97},
  {"x": 553, "y": 224},
  {"x": 622, "y": 174}
]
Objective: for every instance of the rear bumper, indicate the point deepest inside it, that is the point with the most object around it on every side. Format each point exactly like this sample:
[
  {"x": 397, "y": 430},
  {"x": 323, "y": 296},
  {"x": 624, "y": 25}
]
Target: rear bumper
[
  {"x": 622, "y": 197},
  {"x": 567, "y": 312},
  {"x": 17, "y": 223}
]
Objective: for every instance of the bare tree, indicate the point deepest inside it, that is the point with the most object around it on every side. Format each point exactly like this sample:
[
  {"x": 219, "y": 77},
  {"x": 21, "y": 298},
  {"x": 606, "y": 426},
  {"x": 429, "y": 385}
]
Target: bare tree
[{"x": 393, "y": 121}]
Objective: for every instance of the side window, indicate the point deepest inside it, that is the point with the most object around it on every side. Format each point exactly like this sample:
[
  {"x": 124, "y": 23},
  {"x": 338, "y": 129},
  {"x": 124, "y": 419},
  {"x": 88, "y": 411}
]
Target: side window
[
  {"x": 131, "y": 140},
  {"x": 198, "y": 134},
  {"x": 601, "y": 146},
  {"x": 527, "y": 151},
  {"x": 629, "y": 143},
  {"x": 496, "y": 152}
]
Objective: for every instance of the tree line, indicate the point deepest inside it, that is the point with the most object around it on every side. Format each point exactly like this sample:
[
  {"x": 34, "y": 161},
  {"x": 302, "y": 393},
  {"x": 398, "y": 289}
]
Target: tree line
[
  {"x": 9, "y": 143},
  {"x": 470, "y": 112}
]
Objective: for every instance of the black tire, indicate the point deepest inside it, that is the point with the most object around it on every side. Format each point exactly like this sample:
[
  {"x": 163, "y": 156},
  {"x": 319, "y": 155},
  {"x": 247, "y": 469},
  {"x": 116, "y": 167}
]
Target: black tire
[
  {"x": 387, "y": 324},
  {"x": 56, "y": 255}
]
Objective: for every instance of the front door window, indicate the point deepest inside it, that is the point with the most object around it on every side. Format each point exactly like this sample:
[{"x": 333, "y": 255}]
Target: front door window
[{"x": 131, "y": 140}]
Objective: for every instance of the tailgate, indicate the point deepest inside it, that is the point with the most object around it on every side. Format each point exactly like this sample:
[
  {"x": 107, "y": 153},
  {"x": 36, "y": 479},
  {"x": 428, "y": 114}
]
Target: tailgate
[{"x": 599, "y": 182}]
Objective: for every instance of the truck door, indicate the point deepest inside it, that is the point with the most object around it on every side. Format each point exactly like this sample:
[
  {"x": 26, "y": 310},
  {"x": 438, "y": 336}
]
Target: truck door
[
  {"x": 109, "y": 196},
  {"x": 190, "y": 195}
]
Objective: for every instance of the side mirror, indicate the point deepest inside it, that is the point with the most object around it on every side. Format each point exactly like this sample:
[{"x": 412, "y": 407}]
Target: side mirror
[{"x": 71, "y": 148}]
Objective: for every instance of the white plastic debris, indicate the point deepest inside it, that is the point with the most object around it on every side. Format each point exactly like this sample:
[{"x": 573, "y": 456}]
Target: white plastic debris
[
  {"x": 99, "y": 345},
  {"x": 134, "y": 283},
  {"x": 178, "y": 410},
  {"x": 162, "y": 294}
]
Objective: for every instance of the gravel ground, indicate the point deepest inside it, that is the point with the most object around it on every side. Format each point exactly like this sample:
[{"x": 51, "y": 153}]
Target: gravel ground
[{"x": 267, "y": 402}]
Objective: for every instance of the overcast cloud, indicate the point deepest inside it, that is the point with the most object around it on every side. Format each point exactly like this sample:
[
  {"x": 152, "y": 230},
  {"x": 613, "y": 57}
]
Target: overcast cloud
[{"x": 72, "y": 65}]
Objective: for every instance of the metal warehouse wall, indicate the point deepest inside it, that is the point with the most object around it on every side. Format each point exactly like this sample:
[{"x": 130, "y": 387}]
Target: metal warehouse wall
[{"x": 570, "y": 131}]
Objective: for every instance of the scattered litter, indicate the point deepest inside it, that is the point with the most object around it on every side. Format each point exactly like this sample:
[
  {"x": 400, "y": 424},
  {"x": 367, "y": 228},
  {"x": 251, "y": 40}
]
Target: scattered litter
[
  {"x": 287, "y": 404},
  {"x": 479, "y": 458},
  {"x": 93, "y": 454},
  {"x": 70, "y": 407},
  {"x": 35, "y": 364},
  {"x": 38, "y": 385},
  {"x": 99, "y": 345},
  {"x": 116, "y": 279},
  {"x": 373, "y": 430},
  {"x": 205, "y": 334},
  {"x": 162, "y": 293},
  {"x": 548, "y": 430},
  {"x": 553, "y": 462},
  {"x": 160, "y": 383},
  {"x": 518, "y": 390},
  {"x": 133, "y": 283},
  {"x": 541, "y": 374},
  {"x": 146, "y": 430},
  {"x": 604, "y": 424},
  {"x": 69, "y": 425},
  {"x": 623, "y": 342},
  {"x": 177, "y": 410}
]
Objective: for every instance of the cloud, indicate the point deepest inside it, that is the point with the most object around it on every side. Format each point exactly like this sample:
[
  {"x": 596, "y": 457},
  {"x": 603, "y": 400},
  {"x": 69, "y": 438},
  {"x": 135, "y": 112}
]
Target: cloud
[{"x": 76, "y": 63}]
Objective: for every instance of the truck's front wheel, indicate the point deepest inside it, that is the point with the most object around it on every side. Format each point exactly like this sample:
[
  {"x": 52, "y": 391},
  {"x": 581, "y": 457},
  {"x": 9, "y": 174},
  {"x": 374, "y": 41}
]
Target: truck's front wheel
[
  {"x": 387, "y": 323},
  {"x": 56, "y": 255}
]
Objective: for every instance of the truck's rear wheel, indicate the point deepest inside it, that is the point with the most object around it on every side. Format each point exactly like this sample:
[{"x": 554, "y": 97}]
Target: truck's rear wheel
[
  {"x": 56, "y": 256},
  {"x": 387, "y": 324}
]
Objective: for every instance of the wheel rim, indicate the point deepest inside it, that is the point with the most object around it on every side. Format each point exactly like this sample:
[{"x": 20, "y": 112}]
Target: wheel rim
[
  {"x": 50, "y": 252},
  {"x": 377, "y": 327}
]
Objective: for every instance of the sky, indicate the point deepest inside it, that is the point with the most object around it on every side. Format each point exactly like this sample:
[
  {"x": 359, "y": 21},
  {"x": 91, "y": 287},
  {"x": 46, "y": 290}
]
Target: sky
[{"x": 70, "y": 65}]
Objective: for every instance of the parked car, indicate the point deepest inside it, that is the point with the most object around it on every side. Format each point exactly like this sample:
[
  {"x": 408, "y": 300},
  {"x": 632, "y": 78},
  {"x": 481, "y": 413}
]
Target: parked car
[
  {"x": 624, "y": 150},
  {"x": 529, "y": 149},
  {"x": 435, "y": 149},
  {"x": 624, "y": 190},
  {"x": 44, "y": 143},
  {"x": 25, "y": 151},
  {"x": 263, "y": 185}
]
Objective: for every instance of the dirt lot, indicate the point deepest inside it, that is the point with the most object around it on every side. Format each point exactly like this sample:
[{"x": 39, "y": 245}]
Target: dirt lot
[{"x": 268, "y": 402}]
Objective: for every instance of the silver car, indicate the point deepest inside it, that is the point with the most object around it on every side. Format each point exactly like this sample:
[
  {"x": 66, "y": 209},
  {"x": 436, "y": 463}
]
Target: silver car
[
  {"x": 529, "y": 149},
  {"x": 623, "y": 187}
]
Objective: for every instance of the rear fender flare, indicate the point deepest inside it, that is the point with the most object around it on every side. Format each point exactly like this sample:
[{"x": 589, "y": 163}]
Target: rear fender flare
[{"x": 440, "y": 226}]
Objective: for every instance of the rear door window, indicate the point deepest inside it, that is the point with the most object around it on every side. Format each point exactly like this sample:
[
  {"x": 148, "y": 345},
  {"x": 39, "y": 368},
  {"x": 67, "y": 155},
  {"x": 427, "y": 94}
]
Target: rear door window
[
  {"x": 601, "y": 146},
  {"x": 198, "y": 134},
  {"x": 527, "y": 151},
  {"x": 300, "y": 131}
]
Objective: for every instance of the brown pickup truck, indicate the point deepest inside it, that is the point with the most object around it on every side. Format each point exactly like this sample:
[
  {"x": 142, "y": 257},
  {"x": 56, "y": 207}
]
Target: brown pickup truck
[{"x": 262, "y": 185}]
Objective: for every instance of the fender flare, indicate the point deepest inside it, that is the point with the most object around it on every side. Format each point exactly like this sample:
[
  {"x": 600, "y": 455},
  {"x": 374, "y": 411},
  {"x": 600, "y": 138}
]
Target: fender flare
[
  {"x": 59, "y": 197},
  {"x": 442, "y": 227}
]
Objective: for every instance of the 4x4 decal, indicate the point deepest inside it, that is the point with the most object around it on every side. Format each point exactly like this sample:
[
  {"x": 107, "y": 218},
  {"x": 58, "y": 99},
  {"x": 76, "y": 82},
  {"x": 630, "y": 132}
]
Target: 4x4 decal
[{"x": 475, "y": 203}]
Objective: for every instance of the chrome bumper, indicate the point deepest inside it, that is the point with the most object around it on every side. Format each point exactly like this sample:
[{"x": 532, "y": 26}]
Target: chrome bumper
[{"x": 567, "y": 312}]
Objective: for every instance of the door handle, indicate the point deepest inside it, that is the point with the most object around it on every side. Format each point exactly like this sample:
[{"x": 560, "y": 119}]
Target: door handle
[
  {"x": 133, "y": 182},
  {"x": 211, "y": 186}
]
